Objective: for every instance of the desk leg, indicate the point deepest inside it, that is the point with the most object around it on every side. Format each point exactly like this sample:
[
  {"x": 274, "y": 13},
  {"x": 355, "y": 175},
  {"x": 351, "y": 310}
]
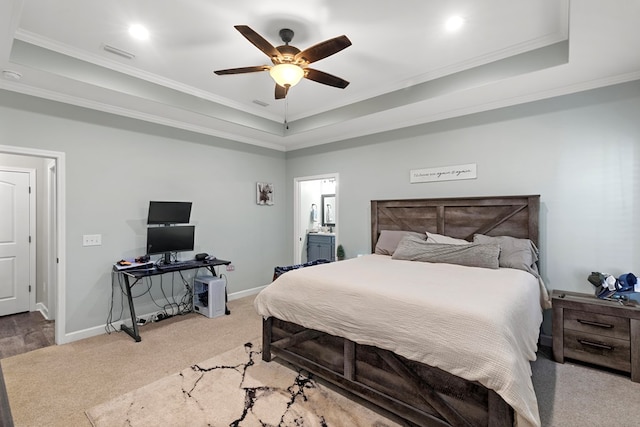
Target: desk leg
[{"x": 133, "y": 331}]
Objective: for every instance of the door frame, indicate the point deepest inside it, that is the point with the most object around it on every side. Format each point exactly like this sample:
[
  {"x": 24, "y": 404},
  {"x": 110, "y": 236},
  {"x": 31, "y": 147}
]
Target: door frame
[
  {"x": 297, "y": 209},
  {"x": 32, "y": 229},
  {"x": 60, "y": 231},
  {"x": 52, "y": 238}
]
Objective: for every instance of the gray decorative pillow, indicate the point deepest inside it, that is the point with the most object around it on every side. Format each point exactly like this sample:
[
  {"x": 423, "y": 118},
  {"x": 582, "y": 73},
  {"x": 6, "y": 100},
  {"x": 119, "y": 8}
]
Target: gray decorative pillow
[
  {"x": 389, "y": 239},
  {"x": 514, "y": 253},
  {"x": 411, "y": 248}
]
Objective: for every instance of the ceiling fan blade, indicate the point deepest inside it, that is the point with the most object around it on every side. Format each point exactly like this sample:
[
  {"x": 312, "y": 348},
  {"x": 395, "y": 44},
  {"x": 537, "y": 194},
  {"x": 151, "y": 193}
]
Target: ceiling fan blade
[
  {"x": 323, "y": 49},
  {"x": 281, "y": 92},
  {"x": 258, "y": 41},
  {"x": 242, "y": 70},
  {"x": 325, "y": 78}
]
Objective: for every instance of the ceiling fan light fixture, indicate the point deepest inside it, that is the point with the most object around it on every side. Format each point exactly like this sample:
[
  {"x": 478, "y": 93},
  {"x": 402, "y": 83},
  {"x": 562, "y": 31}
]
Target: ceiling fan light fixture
[{"x": 286, "y": 74}]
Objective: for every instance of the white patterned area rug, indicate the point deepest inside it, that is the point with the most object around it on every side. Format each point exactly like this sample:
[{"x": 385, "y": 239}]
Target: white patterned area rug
[{"x": 235, "y": 389}]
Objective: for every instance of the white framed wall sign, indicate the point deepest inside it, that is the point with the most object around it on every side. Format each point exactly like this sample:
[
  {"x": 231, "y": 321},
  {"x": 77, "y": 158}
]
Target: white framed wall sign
[{"x": 444, "y": 173}]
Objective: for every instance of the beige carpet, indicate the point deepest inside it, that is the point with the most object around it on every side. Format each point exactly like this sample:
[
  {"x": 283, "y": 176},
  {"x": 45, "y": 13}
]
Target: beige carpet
[
  {"x": 235, "y": 389},
  {"x": 572, "y": 395},
  {"x": 54, "y": 386}
]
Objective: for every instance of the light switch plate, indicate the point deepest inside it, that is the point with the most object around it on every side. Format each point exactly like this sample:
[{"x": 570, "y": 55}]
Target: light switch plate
[{"x": 92, "y": 240}]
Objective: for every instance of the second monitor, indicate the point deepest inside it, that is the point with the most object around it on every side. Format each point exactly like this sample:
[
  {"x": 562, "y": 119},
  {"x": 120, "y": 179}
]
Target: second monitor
[
  {"x": 169, "y": 212},
  {"x": 164, "y": 240}
]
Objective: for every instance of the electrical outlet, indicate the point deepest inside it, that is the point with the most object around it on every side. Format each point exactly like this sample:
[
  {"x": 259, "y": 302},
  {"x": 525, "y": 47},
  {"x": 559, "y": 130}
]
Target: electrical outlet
[
  {"x": 231, "y": 267},
  {"x": 92, "y": 240}
]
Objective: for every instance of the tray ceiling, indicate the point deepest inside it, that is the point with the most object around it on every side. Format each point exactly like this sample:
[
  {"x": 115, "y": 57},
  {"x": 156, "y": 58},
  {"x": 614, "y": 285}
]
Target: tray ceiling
[{"x": 404, "y": 67}]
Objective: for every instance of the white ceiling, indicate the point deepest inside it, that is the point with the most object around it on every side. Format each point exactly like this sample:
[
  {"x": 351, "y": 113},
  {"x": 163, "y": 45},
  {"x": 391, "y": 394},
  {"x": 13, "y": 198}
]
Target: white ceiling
[{"x": 404, "y": 67}]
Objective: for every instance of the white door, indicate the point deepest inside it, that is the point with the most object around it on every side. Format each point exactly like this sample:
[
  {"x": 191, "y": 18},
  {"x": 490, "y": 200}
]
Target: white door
[{"x": 14, "y": 242}]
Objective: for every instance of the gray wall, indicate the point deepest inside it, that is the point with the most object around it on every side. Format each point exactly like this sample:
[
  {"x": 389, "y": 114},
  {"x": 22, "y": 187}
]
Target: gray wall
[
  {"x": 115, "y": 166},
  {"x": 581, "y": 153}
]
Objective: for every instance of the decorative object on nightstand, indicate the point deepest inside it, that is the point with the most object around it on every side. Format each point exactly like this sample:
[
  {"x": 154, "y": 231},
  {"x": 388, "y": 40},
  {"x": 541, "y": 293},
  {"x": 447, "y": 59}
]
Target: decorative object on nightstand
[
  {"x": 608, "y": 287},
  {"x": 589, "y": 329}
]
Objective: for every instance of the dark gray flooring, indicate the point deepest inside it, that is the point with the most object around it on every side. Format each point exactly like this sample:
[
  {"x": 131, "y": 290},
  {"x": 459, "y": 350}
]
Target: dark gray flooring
[
  {"x": 23, "y": 332},
  {"x": 20, "y": 333}
]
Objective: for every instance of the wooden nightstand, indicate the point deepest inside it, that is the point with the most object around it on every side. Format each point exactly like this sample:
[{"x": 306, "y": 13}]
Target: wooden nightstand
[{"x": 605, "y": 333}]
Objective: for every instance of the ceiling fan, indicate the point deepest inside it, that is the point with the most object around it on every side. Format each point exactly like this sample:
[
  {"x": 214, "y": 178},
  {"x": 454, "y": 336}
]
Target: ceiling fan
[{"x": 290, "y": 64}]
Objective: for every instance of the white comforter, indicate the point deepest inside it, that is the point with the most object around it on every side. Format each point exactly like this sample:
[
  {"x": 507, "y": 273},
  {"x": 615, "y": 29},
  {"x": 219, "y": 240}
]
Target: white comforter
[{"x": 479, "y": 324}]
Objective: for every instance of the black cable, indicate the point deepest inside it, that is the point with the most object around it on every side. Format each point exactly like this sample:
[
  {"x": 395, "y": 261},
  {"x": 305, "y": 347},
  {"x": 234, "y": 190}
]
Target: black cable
[
  {"x": 181, "y": 307},
  {"x": 224, "y": 276},
  {"x": 169, "y": 303},
  {"x": 109, "y": 325},
  {"x": 187, "y": 298}
]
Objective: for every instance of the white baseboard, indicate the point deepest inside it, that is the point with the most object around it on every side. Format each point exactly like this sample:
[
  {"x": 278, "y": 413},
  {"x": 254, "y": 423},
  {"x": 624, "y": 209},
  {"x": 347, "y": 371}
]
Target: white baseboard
[
  {"x": 43, "y": 310},
  {"x": 248, "y": 292},
  {"x": 85, "y": 333},
  {"x": 99, "y": 330}
]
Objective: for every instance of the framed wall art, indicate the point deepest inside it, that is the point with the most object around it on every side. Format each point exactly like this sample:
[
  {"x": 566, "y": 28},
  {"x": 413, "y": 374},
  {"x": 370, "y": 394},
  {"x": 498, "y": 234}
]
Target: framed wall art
[{"x": 264, "y": 193}]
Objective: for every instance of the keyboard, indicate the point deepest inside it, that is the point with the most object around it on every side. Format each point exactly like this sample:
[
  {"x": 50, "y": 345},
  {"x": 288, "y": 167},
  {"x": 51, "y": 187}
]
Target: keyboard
[{"x": 175, "y": 265}]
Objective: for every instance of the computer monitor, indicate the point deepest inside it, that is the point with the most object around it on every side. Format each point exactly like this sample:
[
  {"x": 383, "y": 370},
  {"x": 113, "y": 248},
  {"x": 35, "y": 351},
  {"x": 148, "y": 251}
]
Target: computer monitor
[
  {"x": 164, "y": 240},
  {"x": 169, "y": 212}
]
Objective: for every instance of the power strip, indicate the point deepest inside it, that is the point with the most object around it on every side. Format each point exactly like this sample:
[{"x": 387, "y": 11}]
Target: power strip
[
  {"x": 149, "y": 318},
  {"x": 162, "y": 316},
  {"x": 141, "y": 321}
]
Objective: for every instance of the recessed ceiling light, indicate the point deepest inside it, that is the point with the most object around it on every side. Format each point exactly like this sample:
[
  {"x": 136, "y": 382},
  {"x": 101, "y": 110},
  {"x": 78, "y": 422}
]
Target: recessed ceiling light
[
  {"x": 454, "y": 23},
  {"x": 139, "y": 32}
]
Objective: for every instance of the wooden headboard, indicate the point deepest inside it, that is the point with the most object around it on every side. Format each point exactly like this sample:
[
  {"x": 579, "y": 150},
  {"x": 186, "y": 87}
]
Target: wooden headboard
[{"x": 515, "y": 216}]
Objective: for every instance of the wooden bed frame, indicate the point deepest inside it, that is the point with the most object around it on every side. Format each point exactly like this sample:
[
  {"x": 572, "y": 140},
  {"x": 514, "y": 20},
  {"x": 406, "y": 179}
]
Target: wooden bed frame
[{"x": 414, "y": 392}]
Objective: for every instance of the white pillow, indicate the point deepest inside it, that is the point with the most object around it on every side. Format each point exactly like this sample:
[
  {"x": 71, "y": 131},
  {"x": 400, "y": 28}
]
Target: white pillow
[
  {"x": 440, "y": 238},
  {"x": 389, "y": 239}
]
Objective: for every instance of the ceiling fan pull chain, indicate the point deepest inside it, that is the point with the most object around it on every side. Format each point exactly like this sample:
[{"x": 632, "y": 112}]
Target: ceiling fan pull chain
[{"x": 286, "y": 111}]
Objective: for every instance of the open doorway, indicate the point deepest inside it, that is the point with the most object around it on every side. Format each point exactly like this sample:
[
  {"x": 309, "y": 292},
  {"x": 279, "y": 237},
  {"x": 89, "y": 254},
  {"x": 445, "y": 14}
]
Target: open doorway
[
  {"x": 48, "y": 285},
  {"x": 315, "y": 214}
]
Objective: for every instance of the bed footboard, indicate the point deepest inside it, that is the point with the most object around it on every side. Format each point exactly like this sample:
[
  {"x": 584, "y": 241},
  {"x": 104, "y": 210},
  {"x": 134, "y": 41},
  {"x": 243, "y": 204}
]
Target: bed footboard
[{"x": 415, "y": 392}]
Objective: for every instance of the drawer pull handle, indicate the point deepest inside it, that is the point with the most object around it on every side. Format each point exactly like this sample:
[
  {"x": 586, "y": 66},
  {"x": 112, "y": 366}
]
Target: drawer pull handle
[
  {"x": 599, "y": 325},
  {"x": 595, "y": 344}
]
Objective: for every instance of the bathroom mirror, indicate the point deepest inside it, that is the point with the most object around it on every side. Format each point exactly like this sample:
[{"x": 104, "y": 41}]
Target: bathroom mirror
[{"x": 328, "y": 210}]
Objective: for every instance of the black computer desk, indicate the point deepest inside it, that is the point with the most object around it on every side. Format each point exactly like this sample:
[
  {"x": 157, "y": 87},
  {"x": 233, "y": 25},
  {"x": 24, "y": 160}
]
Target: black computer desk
[{"x": 140, "y": 273}]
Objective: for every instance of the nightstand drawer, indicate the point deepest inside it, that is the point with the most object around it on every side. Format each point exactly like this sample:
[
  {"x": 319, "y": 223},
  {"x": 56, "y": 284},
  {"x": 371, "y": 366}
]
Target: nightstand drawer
[
  {"x": 598, "y": 349},
  {"x": 599, "y": 324},
  {"x": 589, "y": 329}
]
